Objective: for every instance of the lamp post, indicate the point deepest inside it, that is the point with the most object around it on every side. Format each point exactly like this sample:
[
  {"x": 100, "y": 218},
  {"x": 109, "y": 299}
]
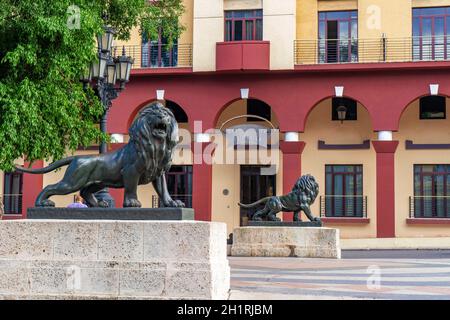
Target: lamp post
[{"x": 103, "y": 75}]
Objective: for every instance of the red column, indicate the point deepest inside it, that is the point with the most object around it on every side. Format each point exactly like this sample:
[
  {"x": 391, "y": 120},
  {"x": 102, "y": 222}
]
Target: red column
[
  {"x": 201, "y": 182},
  {"x": 385, "y": 187},
  {"x": 32, "y": 185},
  {"x": 292, "y": 167}
]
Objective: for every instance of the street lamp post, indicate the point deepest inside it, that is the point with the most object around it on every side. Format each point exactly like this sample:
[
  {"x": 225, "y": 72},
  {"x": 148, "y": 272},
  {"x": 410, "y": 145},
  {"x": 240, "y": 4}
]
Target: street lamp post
[{"x": 103, "y": 75}]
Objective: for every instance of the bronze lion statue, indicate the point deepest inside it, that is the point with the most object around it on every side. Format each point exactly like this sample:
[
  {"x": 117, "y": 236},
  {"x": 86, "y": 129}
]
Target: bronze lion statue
[
  {"x": 144, "y": 159},
  {"x": 301, "y": 197}
]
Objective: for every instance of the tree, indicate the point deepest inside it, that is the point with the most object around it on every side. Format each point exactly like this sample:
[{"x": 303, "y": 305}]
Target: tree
[{"x": 44, "y": 47}]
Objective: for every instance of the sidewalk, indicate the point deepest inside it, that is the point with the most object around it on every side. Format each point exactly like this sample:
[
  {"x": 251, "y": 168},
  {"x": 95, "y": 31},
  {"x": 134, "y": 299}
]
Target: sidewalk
[{"x": 404, "y": 274}]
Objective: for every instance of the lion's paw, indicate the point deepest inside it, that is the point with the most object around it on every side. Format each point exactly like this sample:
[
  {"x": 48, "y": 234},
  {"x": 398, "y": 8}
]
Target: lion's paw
[
  {"x": 273, "y": 218},
  {"x": 46, "y": 203},
  {"x": 132, "y": 203},
  {"x": 170, "y": 203},
  {"x": 103, "y": 204}
]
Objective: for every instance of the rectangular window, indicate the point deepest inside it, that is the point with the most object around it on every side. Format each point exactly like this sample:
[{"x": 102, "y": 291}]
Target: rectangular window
[
  {"x": 338, "y": 36},
  {"x": 157, "y": 53},
  {"x": 12, "y": 189},
  {"x": 433, "y": 107},
  {"x": 344, "y": 191},
  {"x": 243, "y": 25},
  {"x": 350, "y": 105},
  {"x": 431, "y": 31},
  {"x": 179, "y": 184},
  {"x": 431, "y": 191},
  {"x": 258, "y": 108}
]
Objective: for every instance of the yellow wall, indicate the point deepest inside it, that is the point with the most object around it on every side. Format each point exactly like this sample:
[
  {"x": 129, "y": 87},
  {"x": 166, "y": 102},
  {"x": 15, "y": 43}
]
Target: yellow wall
[
  {"x": 279, "y": 27},
  {"x": 320, "y": 127},
  {"x": 419, "y": 131}
]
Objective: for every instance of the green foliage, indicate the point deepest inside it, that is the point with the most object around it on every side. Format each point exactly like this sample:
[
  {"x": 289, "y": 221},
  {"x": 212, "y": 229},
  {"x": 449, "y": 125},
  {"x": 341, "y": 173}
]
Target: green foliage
[{"x": 44, "y": 111}]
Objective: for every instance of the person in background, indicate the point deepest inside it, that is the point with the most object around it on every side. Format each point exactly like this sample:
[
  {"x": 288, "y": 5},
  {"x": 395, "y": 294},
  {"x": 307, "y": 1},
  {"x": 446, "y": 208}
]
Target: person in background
[{"x": 78, "y": 203}]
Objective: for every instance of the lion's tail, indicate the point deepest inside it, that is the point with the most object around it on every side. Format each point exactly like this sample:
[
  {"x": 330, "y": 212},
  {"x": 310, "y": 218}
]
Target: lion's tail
[
  {"x": 254, "y": 204},
  {"x": 51, "y": 167}
]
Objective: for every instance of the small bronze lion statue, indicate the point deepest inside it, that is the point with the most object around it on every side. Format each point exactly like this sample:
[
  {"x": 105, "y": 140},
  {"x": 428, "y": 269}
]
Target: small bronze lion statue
[
  {"x": 144, "y": 159},
  {"x": 299, "y": 199}
]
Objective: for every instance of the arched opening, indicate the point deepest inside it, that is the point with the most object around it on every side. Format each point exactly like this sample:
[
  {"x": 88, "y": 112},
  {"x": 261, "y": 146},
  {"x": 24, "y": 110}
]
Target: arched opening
[
  {"x": 338, "y": 154},
  {"x": 248, "y": 127},
  {"x": 423, "y": 160}
]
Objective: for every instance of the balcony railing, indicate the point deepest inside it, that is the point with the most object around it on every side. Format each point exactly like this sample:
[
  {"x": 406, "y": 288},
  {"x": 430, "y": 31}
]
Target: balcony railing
[
  {"x": 186, "y": 198},
  {"x": 343, "y": 206},
  {"x": 321, "y": 51},
  {"x": 159, "y": 55},
  {"x": 10, "y": 204},
  {"x": 429, "y": 207}
]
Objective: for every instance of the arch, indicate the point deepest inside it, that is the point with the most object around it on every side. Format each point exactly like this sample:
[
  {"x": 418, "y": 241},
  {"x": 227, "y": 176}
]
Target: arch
[
  {"x": 409, "y": 104},
  {"x": 314, "y": 106},
  {"x": 228, "y": 104},
  {"x": 173, "y": 104}
]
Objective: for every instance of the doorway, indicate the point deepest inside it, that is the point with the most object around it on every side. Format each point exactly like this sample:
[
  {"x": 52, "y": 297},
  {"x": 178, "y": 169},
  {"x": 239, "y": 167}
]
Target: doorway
[{"x": 254, "y": 186}]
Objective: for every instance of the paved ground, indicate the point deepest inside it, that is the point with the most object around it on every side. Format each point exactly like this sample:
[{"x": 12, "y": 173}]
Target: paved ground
[{"x": 406, "y": 274}]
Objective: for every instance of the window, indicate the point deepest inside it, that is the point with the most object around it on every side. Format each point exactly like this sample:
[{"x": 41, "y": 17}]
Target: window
[
  {"x": 432, "y": 107},
  {"x": 157, "y": 53},
  {"x": 351, "y": 112},
  {"x": 344, "y": 191},
  {"x": 177, "y": 111},
  {"x": 258, "y": 108},
  {"x": 431, "y": 191},
  {"x": 431, "y": 26},
  {"x": 338, "y": 36},
  {"x": 179, "y": 184},
  {"x": 12, "y": 197},
  {"x": 243, "y": 25}
]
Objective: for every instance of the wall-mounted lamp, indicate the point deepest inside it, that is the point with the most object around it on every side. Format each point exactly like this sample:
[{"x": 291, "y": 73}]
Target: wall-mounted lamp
[
  {"x": 434, "y": 89},
  {"x": 341, "y": 113},
  {"x": 244, "y": 93},
  {"x": 339, "y": 91},
  {"x": 160, "y": 95}
]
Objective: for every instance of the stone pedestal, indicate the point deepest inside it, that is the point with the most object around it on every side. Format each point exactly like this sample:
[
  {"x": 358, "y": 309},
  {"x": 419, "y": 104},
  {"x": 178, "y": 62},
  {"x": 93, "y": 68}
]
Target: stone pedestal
[
  {"x": 309, "y": 242},
  {"x": 76, "y": 259}
]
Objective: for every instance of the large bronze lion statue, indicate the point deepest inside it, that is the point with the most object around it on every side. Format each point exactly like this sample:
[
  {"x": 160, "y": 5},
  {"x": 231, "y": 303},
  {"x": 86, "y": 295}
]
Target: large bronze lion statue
[
  {"x": 144, "y": 159},
  {"x": 301, "y": 197}
]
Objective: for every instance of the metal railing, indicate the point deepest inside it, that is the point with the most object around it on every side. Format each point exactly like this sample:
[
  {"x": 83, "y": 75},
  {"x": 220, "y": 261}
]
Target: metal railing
[
  {"x": 429, "y": 207},
  {"x": 186, "y": 198},
  {"x": 343, "y": 206},
  {"x": 11, "y": 203},
  {"x": 159, "y": 55},
  {"x": 321, "y": 51}
]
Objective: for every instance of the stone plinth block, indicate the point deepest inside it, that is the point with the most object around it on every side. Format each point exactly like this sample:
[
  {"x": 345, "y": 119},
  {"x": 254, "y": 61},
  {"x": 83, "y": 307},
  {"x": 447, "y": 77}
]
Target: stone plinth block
[
  {"x": 106, "y": 259},
  {"x": 111, "y": 213},
  {"x": 291, "y": 241}
]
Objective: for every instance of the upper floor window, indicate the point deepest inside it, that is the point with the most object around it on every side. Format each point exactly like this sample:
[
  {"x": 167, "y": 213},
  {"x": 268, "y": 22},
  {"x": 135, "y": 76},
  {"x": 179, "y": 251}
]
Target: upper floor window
[
  {"x": 157, "y": 53},
  {"x": 338, "y": 36},
  {"x": 430, "y": 29},
  {"x": 243, "y": 25},
  {"x": 432, "y": 107}
]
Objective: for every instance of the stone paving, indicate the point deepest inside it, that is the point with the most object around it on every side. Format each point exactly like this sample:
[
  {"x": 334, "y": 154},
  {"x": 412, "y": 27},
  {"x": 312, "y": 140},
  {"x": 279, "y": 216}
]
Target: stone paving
[{"x": 402, "y": 275}]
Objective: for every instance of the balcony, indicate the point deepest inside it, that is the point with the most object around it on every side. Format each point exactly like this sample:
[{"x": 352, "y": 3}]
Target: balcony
[
  {"x": 429, "y": 207},
  {"x": 159, "y": 55},
  {"x": 339, "y": 51},
  {"x": 342, "y": 207},
  {"x": 243, "y": 55}
]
